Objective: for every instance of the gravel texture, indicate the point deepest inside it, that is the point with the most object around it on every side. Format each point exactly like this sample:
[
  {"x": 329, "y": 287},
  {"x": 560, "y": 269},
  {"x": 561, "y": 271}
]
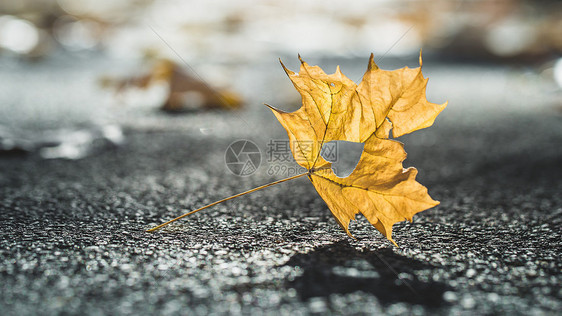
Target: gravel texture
[{"x": 72, "y": 231}]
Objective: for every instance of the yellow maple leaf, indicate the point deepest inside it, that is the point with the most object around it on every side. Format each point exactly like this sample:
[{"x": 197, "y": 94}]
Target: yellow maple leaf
[{"x": 335, "y": 108}]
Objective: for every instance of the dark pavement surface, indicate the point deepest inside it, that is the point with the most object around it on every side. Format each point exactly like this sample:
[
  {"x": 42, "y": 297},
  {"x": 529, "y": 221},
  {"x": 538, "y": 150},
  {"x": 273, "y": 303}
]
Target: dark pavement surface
[{"x": 72, "y": 231}]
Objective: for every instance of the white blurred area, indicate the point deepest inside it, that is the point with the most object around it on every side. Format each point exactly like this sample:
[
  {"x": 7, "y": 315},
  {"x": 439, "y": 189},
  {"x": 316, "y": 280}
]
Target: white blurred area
[
  {"x": 225, "y": 31},
  {"x": 18, "y": 35}
]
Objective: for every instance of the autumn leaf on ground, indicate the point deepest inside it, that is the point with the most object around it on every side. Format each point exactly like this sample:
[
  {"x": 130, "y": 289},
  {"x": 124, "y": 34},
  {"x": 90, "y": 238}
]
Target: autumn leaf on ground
[
  {"x": 185, "y": 92},
  {"x": 335, "y": 108}
]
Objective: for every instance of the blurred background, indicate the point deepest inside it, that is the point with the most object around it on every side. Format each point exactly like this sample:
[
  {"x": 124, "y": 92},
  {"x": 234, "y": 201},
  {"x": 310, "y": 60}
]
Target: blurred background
[
  {"x": 221, "y": 31},
  {"x": 116, "y": 115},
  {"x": 73, "y": 74}
]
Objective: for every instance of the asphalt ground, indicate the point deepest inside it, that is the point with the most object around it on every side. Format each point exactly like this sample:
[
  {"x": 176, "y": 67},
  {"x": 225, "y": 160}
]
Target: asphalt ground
[{"x": 73, "y": 237}]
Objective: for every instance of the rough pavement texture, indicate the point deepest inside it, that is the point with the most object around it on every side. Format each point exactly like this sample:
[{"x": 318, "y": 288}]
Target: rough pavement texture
[{"x": 73, "y": 241}]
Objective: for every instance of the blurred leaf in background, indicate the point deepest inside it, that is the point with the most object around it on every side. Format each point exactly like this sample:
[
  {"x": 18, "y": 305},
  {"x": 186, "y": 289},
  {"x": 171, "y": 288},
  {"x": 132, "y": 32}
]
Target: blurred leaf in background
[{"x": 183, "y": 92}]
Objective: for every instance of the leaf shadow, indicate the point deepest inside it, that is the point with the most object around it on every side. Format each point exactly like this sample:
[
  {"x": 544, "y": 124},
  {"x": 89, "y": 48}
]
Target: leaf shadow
[{"x": 339, "y": 268}]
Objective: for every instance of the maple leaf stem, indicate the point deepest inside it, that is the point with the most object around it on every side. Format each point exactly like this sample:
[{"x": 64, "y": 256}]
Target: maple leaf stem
[{"x": 228, "y": 198}]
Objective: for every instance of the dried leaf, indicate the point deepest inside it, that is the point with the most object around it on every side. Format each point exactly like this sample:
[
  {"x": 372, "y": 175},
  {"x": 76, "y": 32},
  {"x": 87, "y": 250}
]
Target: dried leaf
[
  {"x": 185, "y": 92},
  {"x": 335, "y": 108}
]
